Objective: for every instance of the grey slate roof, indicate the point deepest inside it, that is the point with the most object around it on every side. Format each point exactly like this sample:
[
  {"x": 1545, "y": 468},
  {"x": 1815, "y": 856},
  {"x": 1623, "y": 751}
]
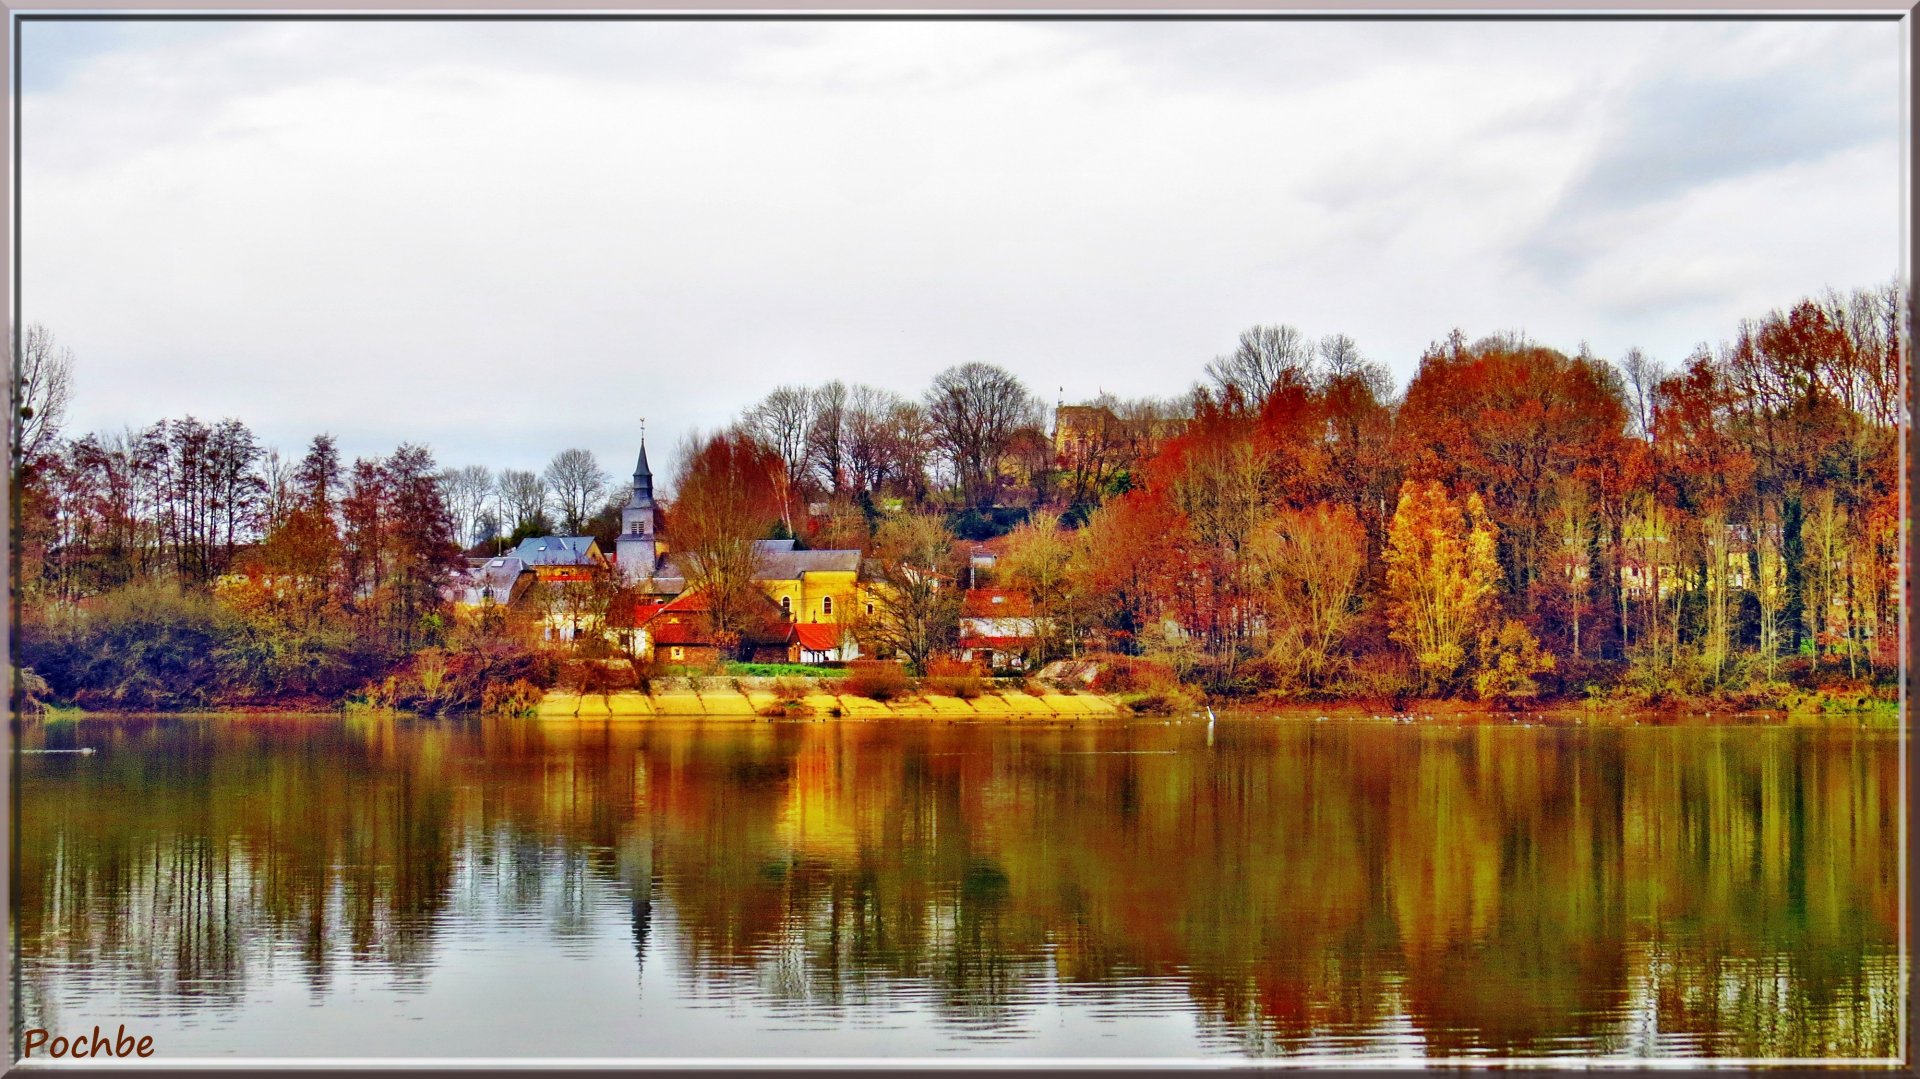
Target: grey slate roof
[
  {"x": 555, "y": 551},
  {"x": 778, "y": 561},
  {"x": 789, "y": 565},
  {"x": 499, "y": 571}
]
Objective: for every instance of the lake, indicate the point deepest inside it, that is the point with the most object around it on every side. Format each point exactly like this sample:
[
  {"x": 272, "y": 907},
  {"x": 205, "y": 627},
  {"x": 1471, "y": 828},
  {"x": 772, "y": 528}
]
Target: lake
[{"x": 349, "y": 887}]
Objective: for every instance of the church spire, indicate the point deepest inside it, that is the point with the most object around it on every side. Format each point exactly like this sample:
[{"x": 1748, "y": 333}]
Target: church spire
[{"x": 642, "y": 472}]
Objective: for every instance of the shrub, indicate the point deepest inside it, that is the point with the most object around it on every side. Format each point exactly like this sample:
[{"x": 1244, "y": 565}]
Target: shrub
[
  {"x": 29, "y": 690},
  {"x": 955, "y": 678},
  {"x": 1174, "y": 700},
  {"x": 878, "y": 680},
  {"x": 1508, "y": 663},
  {"x": 790, "y": 689},
  {"x": 516, "y": 698},
  {"x": 1129, "y": 674}
]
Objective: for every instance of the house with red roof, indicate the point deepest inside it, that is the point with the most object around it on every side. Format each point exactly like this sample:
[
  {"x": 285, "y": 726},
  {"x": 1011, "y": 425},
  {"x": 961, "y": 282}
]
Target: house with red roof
[
  {"x": 825, "y": 642},
  {"x": 680, "y": 632},
  {"x": 998, "y": 627}
]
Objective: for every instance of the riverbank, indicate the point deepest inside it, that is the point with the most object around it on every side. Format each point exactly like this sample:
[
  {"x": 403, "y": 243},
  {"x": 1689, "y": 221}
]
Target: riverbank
[
  {"x": 749, "y": 698},
  {"x": 767, "y": 698}
]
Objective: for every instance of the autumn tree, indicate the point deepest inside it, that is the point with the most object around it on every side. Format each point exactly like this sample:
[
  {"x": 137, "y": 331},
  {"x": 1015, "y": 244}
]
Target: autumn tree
[
  {"x": 726, "y": 499},
  {"x": 421, "y": 531},
  {"x": 1040, "y": 559},
  {"x": 1312, "y": 565},
  {"x": 1119, "y": 566},
  {"x": 1509, "y": 660},
  {"x": 1215, "y": 482},
  {"x": 914, "y": 588},
  {"x": 1442, "y": 577},
  {"x": 1512, "y": 419}
]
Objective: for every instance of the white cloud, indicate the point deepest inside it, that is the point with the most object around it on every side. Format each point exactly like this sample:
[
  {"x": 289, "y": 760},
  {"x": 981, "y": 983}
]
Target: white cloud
[{"x": 505, "y": 238}]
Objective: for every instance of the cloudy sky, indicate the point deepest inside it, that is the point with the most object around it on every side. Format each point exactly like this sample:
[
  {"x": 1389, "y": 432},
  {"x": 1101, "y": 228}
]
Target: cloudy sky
[{"x": 503, "y": 239}]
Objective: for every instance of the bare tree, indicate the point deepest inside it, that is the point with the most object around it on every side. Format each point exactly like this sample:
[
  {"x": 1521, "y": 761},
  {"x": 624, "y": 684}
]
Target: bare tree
[
  {"x": 1341, "y": 360},
  {"x": 869, "y": 437},
  {"x": 577, "y": 482},
  {"x": 1266, "y": 357},
  {"x": 911, "y": 432},
  {"x": 523, "y": 499},
  {"x": 469, "y": 490},
  {"x": 1104, "y": 438},
  {"x": 781, "y": 422},
  {"x": 975, "y": 410},
  {"x": 42, "y": 387},
  {"x": 1644, "y": 375},
  {"x": 826, "y": 437},
  {"x": 278, "y": 495}
]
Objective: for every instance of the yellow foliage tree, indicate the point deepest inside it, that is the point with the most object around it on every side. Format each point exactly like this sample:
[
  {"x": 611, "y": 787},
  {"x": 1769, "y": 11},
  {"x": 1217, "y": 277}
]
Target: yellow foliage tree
[
  {"x": 1441, "y": 577},
  {"x": 1508, "y": 662}
]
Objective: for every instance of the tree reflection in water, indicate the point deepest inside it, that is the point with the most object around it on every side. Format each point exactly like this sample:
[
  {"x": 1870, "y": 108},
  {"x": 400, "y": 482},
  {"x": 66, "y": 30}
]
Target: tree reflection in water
[{"x": 1294, "y": 888}]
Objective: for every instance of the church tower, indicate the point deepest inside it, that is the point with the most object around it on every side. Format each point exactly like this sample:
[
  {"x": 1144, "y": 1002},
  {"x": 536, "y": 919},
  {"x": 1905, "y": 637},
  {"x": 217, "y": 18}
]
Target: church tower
[{"x": 638, "y": 548}]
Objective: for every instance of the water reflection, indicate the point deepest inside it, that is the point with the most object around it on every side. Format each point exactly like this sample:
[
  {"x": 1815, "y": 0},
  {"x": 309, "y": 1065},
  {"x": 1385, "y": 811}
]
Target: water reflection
[{"x": 1316, "y": 888}]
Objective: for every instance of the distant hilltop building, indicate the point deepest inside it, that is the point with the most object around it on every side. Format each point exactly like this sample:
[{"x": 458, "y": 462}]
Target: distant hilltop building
[{"x": 1082, "y": 430}]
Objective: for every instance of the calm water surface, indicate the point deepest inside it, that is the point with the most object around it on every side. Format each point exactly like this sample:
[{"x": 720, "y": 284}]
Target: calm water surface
[{"x": 320, "y": 886}]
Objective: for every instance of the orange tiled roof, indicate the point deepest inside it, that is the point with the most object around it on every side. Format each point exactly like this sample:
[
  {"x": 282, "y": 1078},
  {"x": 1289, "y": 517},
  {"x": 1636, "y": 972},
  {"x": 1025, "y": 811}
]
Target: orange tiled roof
[
  {"x": 818, "y": 636},
  {"x": 997, "y": 603}
]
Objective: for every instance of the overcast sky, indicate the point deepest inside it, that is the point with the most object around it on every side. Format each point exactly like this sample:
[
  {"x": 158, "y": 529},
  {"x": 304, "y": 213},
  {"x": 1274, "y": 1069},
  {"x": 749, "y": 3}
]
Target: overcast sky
[{"x": 504, "y": 239}]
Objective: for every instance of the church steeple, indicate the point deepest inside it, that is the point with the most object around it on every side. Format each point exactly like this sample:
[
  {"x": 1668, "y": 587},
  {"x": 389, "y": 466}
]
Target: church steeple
[
  {"x": 642, "y": 472},
  {"x": 638, "y": 548}
]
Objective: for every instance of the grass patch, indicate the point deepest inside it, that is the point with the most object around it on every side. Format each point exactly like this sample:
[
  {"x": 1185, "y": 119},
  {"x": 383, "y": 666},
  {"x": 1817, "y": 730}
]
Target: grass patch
[{"x": 778, "y": 670}]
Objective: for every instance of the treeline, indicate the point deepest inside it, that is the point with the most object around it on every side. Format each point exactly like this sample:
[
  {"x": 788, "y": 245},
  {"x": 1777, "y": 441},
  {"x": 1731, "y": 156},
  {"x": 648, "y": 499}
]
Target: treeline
[
  {"x": 184, "y": 565},
  {"x": 1519, "y": 521}
]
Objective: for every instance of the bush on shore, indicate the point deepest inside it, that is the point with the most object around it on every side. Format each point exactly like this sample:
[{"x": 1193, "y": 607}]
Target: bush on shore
[
  {"x": 880, "y": 680},
  {"x": 955, "y": 678}
]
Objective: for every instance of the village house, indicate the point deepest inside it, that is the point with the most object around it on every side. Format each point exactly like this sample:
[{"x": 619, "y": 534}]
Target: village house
[
  {"x": 679, "y": 632},
  {"x": 997, "y": 627},
  {"x": 496, "y": 582},
  {"x": 566, "y": 568},
  {"x": 558, "y": 559}
]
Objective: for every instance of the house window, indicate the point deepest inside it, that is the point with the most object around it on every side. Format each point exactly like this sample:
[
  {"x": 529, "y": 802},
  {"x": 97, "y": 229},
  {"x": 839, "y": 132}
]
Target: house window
[
  {"x": 635, "y": 529},
  {"x": 826, "y": 605},
  {"x": 786, "y": 605},
  {"x": 679, "y": 652},
  {"x": 869, "y": 608}
]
